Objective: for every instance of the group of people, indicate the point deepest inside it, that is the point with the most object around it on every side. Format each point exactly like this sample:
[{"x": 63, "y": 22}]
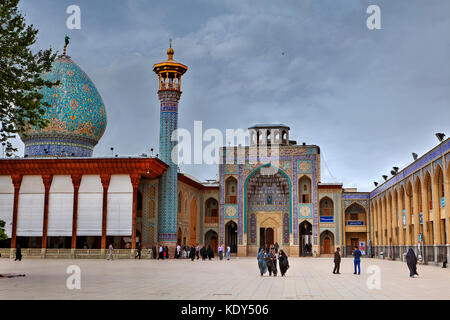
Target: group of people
[
  {"x": 267, "y": 261},
  {"x": 411, "y": 261},
  {"x": 205, "y": 252}
]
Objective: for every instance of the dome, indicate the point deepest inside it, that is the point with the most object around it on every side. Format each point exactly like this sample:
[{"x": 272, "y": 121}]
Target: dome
[{"x": 77, "y": 116}]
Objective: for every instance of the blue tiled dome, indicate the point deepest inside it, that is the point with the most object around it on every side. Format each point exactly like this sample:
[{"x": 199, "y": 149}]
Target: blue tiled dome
[{"x": 77, "y": 116}]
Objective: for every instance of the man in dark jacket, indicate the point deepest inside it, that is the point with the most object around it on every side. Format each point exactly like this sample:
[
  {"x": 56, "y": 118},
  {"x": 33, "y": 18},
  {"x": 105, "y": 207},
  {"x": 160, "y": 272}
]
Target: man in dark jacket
[
  {"x": 337, "y": 261},
  {"x": 357, "y": 260}
]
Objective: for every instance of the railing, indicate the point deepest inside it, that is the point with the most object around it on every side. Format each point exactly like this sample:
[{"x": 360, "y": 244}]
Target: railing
[{"x": 211, "y": 219}]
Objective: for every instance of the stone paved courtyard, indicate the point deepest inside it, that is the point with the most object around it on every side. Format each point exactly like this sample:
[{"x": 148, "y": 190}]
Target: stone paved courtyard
[{"x": 308, "y": 278}]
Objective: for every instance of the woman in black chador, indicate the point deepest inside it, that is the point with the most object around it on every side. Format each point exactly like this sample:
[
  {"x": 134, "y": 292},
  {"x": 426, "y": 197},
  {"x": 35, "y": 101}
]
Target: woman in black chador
[
  {"x": 271, "y": 261},
  {"x": 411, "y": 261},
  {"x": 203, "y": 253},
  {"x": 192, "y": 253},
  {"x": 284, "y": 263},
  {"x": 18, "y": 253},
  {"x": 210, "y": 252}
]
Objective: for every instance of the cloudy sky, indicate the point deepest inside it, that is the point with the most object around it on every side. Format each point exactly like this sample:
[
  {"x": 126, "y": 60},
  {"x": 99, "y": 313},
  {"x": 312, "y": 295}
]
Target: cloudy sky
[{"x": 368, "y": 98}]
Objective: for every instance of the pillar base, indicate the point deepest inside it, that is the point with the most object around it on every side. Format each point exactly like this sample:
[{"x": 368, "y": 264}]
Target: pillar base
[
  {"x": 43, "y": 252},
  {"x": 242, "y": 251}
]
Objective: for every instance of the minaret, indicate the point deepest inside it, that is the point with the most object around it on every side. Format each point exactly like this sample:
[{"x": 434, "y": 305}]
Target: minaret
[{"x": 169, "y": 93}]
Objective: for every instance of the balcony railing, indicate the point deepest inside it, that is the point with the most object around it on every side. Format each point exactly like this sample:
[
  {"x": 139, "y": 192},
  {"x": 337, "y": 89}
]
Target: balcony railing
[{"x": 211, "y": 219}]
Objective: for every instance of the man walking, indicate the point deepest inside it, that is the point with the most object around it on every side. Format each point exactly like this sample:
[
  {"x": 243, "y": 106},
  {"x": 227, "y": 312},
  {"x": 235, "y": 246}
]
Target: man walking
[
  {"x": 357, "y": 260},
  {"x": 197, "y": 251},
  {"x": 337, "y": 261},
  {"x": 220, "y": 252},
  {"x": 110, "y": 252},
  {"x": 138, "y": 251}
]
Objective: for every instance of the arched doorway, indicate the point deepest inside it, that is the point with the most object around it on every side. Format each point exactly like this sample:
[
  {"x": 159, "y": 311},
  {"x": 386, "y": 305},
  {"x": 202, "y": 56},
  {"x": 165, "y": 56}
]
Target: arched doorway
[
  {"x": 231, "y": 236},
  {"x": 326, "y": 242},
  {"x": 305, "y": 232},
  {"x": 211, "y": 239}
]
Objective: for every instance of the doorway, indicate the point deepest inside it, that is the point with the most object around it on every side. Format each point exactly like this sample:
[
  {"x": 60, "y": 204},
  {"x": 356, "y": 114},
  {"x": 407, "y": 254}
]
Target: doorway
[
  {"x": 266, "y": 237},
  {"x": 231, "y": 236},
  {"x": 305, "y": 245}
]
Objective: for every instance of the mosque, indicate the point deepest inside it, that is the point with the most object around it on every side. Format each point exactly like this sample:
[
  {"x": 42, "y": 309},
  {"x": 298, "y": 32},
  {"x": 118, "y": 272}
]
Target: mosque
[{"x": 59, "y": 201}]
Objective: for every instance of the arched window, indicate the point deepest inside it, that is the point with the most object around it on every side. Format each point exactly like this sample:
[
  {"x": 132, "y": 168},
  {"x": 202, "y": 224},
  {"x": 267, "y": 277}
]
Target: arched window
[
  {"x": 326, "y": 207},
  {"x": 429, "y": 191},
  {"x": 355, "y": 212},
  {"x": 304, "y": 190},
  {"x": 231, "y": 190},
  {"x": 211, "y": 212}
]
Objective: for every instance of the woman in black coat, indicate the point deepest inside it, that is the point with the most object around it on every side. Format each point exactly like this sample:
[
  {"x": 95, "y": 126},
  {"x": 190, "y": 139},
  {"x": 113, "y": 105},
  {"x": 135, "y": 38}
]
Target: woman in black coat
[
  {"x": 210, "y": 252},
  {"x": 411, "y": 261},
  {"x": 203, "y": 253},
  {"x": 18, "y": 253},
  {"x": 283, "y": 261},
  {"x": 192, "y": 253}
]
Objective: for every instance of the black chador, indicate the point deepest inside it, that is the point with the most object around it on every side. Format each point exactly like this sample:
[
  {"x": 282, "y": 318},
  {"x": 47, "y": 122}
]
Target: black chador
[
  {"x": 192, "y": 253},
  {"x": 203, "y": 253},
  {"x": 284, "y": 263}
]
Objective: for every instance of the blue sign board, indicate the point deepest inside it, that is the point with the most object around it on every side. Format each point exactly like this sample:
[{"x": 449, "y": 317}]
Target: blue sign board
[
  {"x": 404, "y": 219},
  {"x": 442, "y": 202},
  {"x": 355, "y": 223},
  {"x": 327, "y": 219},
  {"x": 421, "y": 218}
]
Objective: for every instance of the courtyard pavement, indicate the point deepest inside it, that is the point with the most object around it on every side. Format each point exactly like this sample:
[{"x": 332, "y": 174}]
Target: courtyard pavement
[{"x": 307, "y": 278}]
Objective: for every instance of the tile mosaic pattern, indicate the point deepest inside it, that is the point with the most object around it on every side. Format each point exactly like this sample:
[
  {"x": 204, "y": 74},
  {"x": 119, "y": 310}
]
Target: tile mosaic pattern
[
  {"x": 168, "y": 189},
  {"x": 77, "y": 116}
]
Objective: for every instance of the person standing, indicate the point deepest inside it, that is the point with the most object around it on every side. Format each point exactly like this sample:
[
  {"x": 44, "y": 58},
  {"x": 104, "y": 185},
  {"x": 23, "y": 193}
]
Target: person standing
[
  {"x": 139, "y": 249},
  {"x": 411, "y": 262},
  {"x": 276, "y": 247},
  {"x": 161, "y": 252},
  {"x": 220, "y": 252},
  {"x": 284, "y": 263},
  {"x": 166, "y": 252},
  {"x": 110, "y": 252},
  {"x": 337, "y": 261},
  {"x": 203, "y": 253},
  {"x": 210, "y": 252},
  {"x": 18, "y": 253},
  {"x": 192, "y": 253},
  {"x": 178, "y": 251},
  {"x": 228, "y": 252},
  {"x": 271, "y": 261},
  {"x": 262, "y": 262},
  {"x": 357, "y": 260},
  {"x": 197, "y": 251}
]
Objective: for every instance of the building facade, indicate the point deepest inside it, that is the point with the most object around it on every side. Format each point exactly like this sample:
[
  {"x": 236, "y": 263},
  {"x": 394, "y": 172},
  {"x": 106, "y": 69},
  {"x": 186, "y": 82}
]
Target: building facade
[{"x": 58, "y": 200}]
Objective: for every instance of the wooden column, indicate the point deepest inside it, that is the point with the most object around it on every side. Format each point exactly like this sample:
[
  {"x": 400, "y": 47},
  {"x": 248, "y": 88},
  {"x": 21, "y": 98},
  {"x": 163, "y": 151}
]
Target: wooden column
[
  {"x": 135, "y": 179},
  {"x": 106, "y": 178},
  {"x": 17, "y": 181},
  {"x": 76, "y": 180},
  {"x": 47, "y": 180}
]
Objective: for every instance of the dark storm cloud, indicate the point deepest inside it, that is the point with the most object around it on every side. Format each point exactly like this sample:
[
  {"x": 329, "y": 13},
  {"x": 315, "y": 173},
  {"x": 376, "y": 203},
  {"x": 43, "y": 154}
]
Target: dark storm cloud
[{"x": 367, "y": 98}]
